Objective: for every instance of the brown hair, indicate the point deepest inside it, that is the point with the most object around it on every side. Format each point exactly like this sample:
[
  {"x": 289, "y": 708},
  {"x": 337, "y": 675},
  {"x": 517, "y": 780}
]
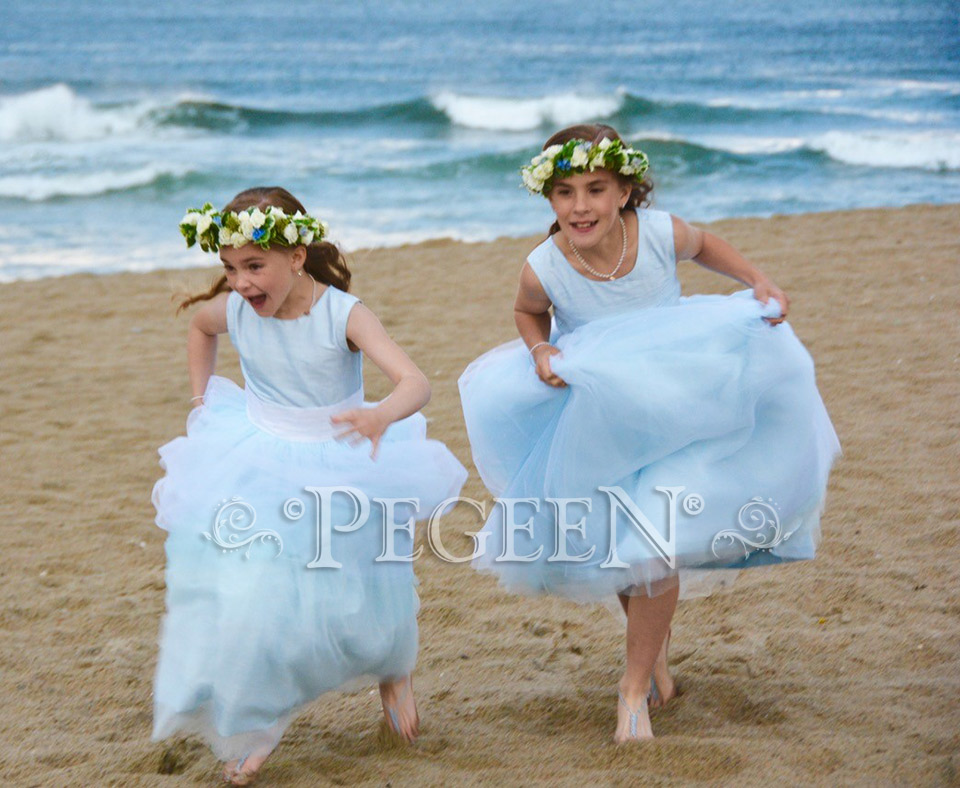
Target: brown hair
[
  {"x": 324, "y": 262},
  {"x": 594, "y": 132}
]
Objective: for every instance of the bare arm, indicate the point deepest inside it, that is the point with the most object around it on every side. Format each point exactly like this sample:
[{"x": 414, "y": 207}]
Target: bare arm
[
  {"x": 206, "y": 323},
  {"x": 713, "y": 252},
  {"x": 411, "y": 389},
  {"x": 532, "y": 316}
]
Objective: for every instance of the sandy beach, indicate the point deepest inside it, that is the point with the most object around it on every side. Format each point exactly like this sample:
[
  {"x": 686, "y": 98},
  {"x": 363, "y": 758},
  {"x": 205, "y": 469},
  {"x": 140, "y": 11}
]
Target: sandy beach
[{"x": 844, "y": 670}]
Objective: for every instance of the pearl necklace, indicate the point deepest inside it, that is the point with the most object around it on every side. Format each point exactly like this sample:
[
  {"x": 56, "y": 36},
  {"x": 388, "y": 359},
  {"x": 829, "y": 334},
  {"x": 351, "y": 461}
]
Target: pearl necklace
[{"x": 623, "y": 255}]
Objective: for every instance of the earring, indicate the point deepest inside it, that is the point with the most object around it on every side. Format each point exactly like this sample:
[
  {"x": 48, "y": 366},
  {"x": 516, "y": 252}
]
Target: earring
[{"x": 300, "y": 272}]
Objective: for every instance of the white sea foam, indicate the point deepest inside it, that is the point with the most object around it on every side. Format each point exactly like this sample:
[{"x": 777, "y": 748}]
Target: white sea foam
[
  {"x": 519, "y": 114},
  {"x": 19, "y": 263},
  {"x": 57, "y": 113},
  {"x": 746, "y": 145},
  {"x": 936, "y": 150},
  {"x": 658, "y": 135},
  {"x": 36, "y": 188}
]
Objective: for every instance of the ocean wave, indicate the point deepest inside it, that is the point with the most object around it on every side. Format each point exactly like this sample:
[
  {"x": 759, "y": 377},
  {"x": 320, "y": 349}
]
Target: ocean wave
[
  {"x": 57, "y": 113},
  {"x": 485, "y": 113},
  {"x": 37, "y": 188},
  {"x": 938, "y": 151},
  {"x": 499, "y": 114},
  {"x": 745, "y": 145},
  {"x": 934, "y": 150},
  {"x": 446, "y": 108},
  {"x": 220, "y": 116},
  {"x": 494, "y": 113}
]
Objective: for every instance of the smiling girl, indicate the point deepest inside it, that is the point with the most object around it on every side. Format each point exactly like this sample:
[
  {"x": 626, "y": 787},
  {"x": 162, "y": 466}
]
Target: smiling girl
[
  {"x": 256, "y": 625},
  {"x": 677, "y": 438}
]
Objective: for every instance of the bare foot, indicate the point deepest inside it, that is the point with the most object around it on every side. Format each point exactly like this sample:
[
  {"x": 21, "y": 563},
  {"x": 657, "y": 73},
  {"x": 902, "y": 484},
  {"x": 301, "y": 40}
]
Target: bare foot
[
  {"x": 243, "y": 771},
  {"x": 400, "y": 708},
  {"x": 666, "y": 688},
  {"x": 633, "y": 720}
]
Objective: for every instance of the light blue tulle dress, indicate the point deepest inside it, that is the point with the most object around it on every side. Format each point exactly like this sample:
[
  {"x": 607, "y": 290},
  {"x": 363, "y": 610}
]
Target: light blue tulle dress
[
  {"x": 698, "y": 396},
  {"x": 252, "y": 632}
]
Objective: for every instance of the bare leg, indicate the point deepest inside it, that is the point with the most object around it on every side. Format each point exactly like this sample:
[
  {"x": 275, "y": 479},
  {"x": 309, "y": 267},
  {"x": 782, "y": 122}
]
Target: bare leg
[
  {"x": 666, "y": 688},
  {"x": 648, "y": 620},
  {"x": 400, "y": 708}
]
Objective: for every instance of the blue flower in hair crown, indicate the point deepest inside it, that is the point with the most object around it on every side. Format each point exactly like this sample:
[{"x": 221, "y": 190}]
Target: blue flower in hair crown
[
  {"x": 212, "y": 229},
  {"x": 577, "y": 156}
]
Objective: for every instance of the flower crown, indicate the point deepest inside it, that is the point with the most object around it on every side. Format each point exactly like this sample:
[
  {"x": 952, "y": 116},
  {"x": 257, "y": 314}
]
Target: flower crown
[
  {"x": 577, "y": 156},
  {"x": 212, "y": 228}
]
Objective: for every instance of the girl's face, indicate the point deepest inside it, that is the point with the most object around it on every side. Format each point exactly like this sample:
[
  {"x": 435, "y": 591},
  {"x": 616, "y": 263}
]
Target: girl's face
[
  {"x": 264, "y": 277},
  {"x": 587, "y": 206}
]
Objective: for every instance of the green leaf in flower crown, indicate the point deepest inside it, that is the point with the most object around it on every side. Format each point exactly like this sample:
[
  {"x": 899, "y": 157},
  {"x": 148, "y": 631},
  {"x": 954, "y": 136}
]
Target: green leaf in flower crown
[{"x": 189, "y": 232}]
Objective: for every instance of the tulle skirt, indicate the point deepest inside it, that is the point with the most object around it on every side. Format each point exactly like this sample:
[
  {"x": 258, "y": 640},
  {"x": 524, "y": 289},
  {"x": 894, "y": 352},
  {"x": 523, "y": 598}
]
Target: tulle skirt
[
  {"x": 689, "y": 442},
  {"x": 275, "y": 593}
]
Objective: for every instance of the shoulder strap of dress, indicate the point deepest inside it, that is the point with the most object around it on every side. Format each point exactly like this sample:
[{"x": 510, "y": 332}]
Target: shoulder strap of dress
[
  {"x": 234, "y": 305},
  {"x": 340, "y": 304},
  {"x": 656, "y": 228},
  {"x": 543, "y": 262}
]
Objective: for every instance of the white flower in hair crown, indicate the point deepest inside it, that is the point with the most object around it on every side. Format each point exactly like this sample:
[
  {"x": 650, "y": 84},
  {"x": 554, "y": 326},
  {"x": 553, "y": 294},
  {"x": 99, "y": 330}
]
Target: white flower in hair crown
[
  {"x": 212, "y": 229},
  {"x": 578, "y": 156}
]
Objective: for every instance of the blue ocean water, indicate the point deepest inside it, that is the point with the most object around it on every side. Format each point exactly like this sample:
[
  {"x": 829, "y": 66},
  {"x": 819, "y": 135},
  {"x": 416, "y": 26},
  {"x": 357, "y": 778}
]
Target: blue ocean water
[{"x": 398, "y": 120}]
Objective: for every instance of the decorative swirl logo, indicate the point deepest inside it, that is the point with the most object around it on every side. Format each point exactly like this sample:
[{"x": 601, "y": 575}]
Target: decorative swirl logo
[
  {"x": 762, "y": 524},
  {"x": 238, "y": 515}
]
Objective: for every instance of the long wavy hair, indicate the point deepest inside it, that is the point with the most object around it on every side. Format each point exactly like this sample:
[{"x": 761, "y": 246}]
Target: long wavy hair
[
  {"x": 325, "y": 261},
  {"x": 594, "y": 132}
]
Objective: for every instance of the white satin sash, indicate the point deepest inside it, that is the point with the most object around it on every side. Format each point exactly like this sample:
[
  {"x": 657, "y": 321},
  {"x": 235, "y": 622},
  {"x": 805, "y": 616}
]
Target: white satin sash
[{"x": 299, "y": 424}]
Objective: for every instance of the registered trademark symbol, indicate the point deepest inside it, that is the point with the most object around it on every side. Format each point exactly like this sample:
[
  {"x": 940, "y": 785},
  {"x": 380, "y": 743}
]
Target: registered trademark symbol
[{"x": 693, "y": 504}]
